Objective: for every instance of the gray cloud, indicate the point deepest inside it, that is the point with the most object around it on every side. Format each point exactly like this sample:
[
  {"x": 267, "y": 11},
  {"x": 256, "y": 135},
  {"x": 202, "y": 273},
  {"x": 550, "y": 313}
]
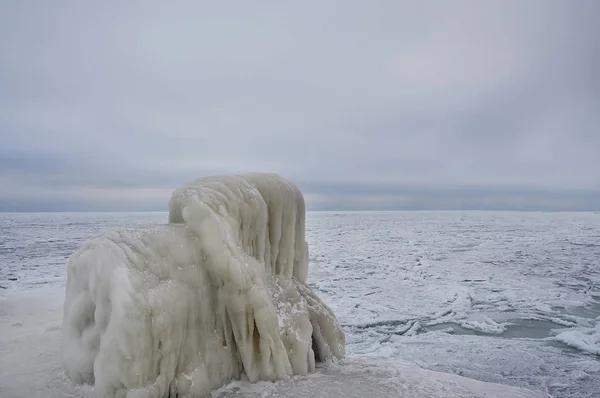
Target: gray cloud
[{"x": 462, "y": 104}]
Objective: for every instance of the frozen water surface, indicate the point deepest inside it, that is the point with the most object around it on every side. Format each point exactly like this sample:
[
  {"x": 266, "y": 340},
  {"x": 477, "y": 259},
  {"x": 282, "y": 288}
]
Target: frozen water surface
[
  {"x": 505, "y": 297},
  {"x": 509, "y": 298}
]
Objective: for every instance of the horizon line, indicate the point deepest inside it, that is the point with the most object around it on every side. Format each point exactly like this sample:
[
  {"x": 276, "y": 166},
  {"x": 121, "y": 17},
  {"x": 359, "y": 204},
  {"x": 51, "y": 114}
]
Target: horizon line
[{"x": 322, "y": 211}]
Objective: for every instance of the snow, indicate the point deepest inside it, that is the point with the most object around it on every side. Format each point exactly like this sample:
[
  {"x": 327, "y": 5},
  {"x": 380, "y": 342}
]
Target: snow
[
  {"x": 217, "y": 294},
  {"x": 30, "y": 364}
]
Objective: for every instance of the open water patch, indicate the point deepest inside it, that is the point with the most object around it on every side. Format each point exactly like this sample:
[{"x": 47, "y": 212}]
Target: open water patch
[{"x": 517, "y": 329}]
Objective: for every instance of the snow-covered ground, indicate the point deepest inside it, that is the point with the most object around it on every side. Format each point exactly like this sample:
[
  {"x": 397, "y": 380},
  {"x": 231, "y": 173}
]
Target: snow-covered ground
[{"x": 508, "y": 298}]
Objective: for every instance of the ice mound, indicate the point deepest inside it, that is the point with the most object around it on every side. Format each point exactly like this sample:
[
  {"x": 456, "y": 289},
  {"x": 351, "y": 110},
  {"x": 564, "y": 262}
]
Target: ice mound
[
  {"x": 584, "y": 339},
  {"x": 217, "y": 294}
]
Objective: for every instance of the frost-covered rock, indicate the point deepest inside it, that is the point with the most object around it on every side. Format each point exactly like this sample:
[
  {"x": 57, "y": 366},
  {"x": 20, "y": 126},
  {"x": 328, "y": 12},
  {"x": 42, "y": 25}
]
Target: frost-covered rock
[{"x": 217, "y": 294}]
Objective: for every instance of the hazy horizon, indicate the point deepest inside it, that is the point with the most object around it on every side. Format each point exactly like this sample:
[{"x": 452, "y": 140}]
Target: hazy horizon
[{"x": 345, "y": 199}]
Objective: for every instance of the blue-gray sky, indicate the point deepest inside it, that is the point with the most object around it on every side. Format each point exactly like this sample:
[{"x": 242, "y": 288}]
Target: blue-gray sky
[{"x": 110, "y": 105}]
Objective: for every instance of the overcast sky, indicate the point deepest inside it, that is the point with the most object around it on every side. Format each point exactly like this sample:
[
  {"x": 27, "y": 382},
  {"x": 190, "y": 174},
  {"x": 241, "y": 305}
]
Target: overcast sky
[{"x": 110, "y": 105}]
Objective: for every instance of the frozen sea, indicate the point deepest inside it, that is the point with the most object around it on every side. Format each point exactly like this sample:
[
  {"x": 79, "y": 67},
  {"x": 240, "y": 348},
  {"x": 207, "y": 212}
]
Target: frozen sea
[{"x": 505, "y": 297}]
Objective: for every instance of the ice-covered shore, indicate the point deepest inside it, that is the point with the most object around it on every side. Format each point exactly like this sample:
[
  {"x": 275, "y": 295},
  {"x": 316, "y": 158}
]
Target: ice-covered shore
[{"x": 30, "y": 365}]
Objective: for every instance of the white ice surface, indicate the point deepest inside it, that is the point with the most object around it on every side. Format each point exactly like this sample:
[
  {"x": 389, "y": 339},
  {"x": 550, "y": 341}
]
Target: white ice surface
[
  {"x": 407, "y": 285},
  {"x": 30, "y": 365},
  {"x": 217, "y": 294},
  {"x": 490, "y": 295}
]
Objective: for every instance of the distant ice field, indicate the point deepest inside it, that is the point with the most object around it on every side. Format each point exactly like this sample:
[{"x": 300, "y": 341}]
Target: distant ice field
[{"x": 504, "y": 297}]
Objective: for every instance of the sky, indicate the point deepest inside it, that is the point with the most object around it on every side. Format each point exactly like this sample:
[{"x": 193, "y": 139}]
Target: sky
[{"x": 366, "y": 105}]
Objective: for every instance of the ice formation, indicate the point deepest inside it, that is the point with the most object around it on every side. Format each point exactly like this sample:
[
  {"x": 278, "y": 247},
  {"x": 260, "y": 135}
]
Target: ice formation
[{"x": 217, "y": 294}]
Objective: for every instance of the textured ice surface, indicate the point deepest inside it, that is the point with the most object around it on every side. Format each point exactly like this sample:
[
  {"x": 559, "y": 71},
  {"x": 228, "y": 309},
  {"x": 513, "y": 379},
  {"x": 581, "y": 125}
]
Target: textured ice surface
[
  {"x": 584, "y": 338},
  {"x": 34, "y": 247},
  {"x": 493, "y": 296},
  {"x": 217, "y": 294},
  {"x": 482, "y": 294}
]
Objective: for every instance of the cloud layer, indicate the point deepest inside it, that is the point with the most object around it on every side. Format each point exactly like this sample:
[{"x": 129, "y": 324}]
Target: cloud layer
[{"x": 421, "y": 104}]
